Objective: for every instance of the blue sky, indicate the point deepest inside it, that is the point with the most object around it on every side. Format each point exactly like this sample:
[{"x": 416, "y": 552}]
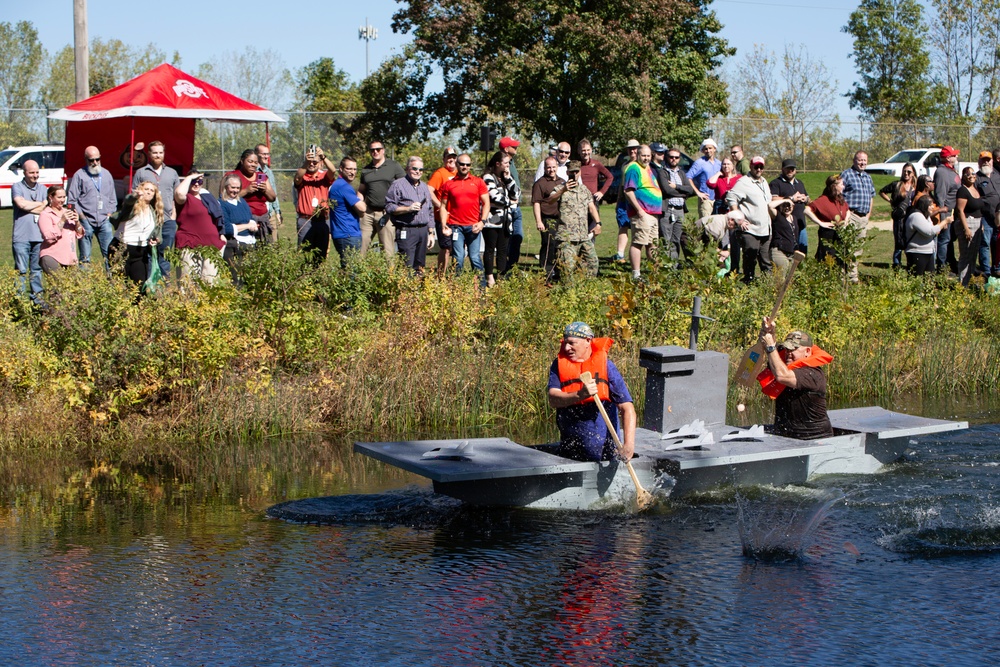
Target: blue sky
[{"x": 332, "y": 30}]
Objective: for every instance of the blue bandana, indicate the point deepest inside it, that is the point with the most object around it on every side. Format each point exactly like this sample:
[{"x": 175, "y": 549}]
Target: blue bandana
[{"x": 578, "y": 330}]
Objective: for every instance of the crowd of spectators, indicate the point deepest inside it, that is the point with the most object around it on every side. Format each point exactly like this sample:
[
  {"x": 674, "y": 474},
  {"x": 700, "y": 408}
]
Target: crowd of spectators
[{"x": 757, "y": 224}]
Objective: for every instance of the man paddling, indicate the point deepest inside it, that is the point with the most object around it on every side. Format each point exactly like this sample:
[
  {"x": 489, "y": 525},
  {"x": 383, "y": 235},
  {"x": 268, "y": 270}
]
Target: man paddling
[
  {"x": 796, "y": 383},
  {"x": 584, "y": 434}
]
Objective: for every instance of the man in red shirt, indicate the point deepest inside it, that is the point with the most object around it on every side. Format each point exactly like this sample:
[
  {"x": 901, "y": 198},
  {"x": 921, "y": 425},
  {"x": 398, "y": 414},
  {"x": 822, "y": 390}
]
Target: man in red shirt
[
  {"x": 465, "y": 206},
  {"x": 312, "y": 182},
  {"x": 444, "y": 174},
  {"x": 592, "y": 172}
]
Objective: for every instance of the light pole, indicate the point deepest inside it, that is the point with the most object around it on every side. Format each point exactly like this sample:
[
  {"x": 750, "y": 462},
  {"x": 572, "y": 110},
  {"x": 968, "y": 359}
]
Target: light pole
[{"x": 368, "y": 33}]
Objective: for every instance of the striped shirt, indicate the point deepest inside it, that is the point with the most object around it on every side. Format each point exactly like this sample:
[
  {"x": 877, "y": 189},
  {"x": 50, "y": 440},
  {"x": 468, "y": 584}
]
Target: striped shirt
[{"x": 858, "y": 190}]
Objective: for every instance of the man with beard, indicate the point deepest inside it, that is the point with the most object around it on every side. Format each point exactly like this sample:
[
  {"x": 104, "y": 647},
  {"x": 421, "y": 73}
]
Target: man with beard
[
  {"x": 988, "y": 185},
  {"x": 91, "y": 192}
]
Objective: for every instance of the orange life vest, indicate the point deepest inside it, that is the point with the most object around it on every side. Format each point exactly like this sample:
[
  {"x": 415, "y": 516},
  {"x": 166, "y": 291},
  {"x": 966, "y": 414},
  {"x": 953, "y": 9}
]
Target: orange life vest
[
  {"x": 770, "y": 385},
  {"x": 597, "y": 364}
]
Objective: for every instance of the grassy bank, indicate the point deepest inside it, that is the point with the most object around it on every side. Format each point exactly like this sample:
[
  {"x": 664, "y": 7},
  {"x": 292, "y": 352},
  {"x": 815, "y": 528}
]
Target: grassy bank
[{"x": 375, "y": 352}]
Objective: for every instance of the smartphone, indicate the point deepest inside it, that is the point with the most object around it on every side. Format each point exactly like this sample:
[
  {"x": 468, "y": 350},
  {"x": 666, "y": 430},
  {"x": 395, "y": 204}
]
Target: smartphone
[
  {"x": 261, "y": 177},
  {"x": 71, "y": 207}
]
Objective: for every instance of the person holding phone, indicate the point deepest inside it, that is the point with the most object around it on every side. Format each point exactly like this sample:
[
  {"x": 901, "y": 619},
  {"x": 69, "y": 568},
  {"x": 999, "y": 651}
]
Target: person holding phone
[
  {"x": 256, "y": 190},
  {"x": 61, "y": 229}
]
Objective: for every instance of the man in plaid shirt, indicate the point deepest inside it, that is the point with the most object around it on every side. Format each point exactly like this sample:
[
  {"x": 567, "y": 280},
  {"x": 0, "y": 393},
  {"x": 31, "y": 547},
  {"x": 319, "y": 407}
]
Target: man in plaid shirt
[{"x": 859, "y": 191}]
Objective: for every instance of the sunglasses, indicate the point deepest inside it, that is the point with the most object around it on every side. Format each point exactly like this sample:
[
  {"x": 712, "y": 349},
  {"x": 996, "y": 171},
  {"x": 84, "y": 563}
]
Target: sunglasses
[
  {"x": 673, "y": 157},
  {"x": 416, "y": 168},
  {"x": 464, "y": 164},
  {"x": 94, "y": 159},
  {"x": 375, "y": 149},
  {"x": 563, "y": 152}
]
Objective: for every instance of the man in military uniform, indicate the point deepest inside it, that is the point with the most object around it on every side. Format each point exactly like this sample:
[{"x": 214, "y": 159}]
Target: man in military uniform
[{"x": 575, "y": 231}]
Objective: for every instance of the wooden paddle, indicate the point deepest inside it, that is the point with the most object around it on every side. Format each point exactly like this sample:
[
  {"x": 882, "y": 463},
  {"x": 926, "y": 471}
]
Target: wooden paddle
[
  {"x": 643, "y": 498},
  {"x": 754, "y": 359}
]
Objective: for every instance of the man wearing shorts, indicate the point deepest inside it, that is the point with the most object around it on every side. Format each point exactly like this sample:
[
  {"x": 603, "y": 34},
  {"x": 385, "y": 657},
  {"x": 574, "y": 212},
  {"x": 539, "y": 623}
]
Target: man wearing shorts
[{"x": 645, "y": 205}]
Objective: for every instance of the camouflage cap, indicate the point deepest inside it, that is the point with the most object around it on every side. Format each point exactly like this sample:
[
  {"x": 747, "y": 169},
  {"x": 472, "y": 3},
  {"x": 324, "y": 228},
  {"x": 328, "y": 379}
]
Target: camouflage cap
[
  {"x": 578, "y": 330},
  {"x": 572, "y": 165},
  {"x": 795, "y": 340}
]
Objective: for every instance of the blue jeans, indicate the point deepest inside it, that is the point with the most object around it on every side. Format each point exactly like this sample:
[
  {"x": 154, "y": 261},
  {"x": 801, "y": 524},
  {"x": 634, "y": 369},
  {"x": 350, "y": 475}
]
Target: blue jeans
[
  {"x": 167, "y": 235},
  {"x": 984, "y": 250},
  {"x": 104, "y": 231},
  {"x": 803, "y": 244},
  {"x": 943, "y": 241},
  {"x": 344, "y": 246},
  {"x": 514, "y": 245},
  {"x": 25, "y": 256},
  {"x": 464, "y": 239}
]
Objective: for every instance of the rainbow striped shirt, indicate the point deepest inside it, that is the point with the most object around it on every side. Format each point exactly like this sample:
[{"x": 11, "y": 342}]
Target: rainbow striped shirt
[{"x": 646, "y": 187}]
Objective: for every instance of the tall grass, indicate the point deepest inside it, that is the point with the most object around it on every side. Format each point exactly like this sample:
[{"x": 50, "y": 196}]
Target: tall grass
[{"x": 376, "y": 352}]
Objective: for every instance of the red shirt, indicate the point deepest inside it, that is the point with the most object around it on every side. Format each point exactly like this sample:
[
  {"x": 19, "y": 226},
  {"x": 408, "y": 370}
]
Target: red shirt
[
  {"x": 724, "y": 185},
  {"x": 195, "y": 226},
  {"x": 827, "y": 210},
  {"x": 256, "y": 201},
  {"x": 314, "y": 186},
  {"x": 463, "y": 198},
  {"x": 591, "y": 173}
]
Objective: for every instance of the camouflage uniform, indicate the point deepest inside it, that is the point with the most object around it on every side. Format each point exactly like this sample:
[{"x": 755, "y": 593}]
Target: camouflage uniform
[{"x": 572, "y": 233}]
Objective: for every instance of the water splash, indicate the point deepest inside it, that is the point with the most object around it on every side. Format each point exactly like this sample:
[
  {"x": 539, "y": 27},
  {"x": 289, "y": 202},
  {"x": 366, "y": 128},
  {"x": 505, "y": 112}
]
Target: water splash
[
  {"x": 779, "y": 529},
  {"x": 939, "y": 531}
]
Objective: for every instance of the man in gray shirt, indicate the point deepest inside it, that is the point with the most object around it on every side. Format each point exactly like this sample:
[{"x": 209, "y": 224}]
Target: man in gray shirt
[
  {"x": 376, "y": 177},
  {"x": 29, "y": 199},
  {"x": 166, "y": 180},
  {"x": 91, "y": 192},
  {"x": 946, "y": 185}
]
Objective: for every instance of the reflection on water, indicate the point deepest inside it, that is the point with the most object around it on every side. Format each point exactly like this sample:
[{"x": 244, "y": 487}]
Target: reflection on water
[{"x": 178, "y": 565}]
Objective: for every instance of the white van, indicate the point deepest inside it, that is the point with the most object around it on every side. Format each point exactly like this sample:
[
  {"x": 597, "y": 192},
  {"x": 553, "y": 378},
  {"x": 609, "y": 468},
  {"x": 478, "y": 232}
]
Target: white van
[{"x": 50, "y": 161}]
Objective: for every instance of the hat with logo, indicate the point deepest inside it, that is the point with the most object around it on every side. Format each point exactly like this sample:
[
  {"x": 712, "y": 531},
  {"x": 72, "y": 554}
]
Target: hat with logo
[
  {"x": 657, "y": 147},
  {"x": 756, "y": 159},
  {"x": 507, "y": 142},
  {"x": 948, "y": 151},
  {"x": 450, "y": 151},
  {"x": 985, "y": 155}
]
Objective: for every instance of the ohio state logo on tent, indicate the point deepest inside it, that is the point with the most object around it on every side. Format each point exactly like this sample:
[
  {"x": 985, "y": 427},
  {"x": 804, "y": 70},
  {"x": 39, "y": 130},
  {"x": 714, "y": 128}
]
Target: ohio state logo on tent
[{"x": 184, "y": 87}]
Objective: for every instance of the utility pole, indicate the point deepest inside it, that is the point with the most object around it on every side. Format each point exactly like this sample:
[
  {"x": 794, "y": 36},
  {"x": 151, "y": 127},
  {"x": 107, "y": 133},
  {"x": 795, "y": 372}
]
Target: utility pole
[
  {"x": 81, "y": 50},
  {"x": 368, "y": 33}
]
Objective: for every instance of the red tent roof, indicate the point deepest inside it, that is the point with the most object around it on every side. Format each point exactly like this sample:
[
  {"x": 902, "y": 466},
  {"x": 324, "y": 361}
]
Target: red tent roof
[{"x": 166, "y": 92}]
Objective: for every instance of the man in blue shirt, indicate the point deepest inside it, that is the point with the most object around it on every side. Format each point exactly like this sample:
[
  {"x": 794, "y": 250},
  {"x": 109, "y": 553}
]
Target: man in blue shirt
[
  {"x": 28, "y": 197},
  {"x": 859, "y": 192},
  {"x": 347, "y": 208},
  {"x": 703, "y": 169},
  {"x": 585, "y": 436},
  {"x": 92, "y": 192}
]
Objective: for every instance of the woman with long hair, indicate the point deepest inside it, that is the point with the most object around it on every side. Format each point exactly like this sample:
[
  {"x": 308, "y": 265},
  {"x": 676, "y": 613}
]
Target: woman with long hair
[
  {"x": 138, "y": 228},
  {"x": 61, "y": 229},
  {"x": 921, "y": 233},
  {"x": 829, "y": 211},
  {"x": 722, "y": 182},
  {"x": 503, "y": 192},
  {"x": 899, "y": 194},
  {"x": 969, "y": 211}
]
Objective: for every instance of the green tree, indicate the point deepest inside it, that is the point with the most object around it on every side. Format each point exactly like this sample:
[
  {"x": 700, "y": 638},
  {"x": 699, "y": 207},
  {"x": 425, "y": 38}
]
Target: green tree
[
  {"x": 568, "y": 69},
  {"x": 393, "y": 103},
  {"x": 21, "y": 59},
  {"x": 323, "y": 87},
  {"x": 892, "y": 62}
]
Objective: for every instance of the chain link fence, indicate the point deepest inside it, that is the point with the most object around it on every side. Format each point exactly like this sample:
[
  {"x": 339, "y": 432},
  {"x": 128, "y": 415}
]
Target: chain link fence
[{"x": 829, "y": 145}]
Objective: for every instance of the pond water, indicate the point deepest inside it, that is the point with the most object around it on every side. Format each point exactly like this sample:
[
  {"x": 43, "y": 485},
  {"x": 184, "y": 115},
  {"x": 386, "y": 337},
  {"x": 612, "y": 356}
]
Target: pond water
[{"x": 171, "y": 566}]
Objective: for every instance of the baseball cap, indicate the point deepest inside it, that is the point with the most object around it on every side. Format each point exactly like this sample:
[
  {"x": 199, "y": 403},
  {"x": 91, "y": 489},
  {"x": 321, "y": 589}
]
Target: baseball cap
[
  {"x": 657, "y": 147},
  {"x": 948, "y": 151},
  {"x": 756, "y": 159},
  {"x": 509, "y": 141},
  {"x": 578, "y": 330},
  {"x": 450, "y": 151},
  {"x": 788, "y": 163},
  {"x": 795, "y": 340},
  {"x": 985, "y": 154},
  {"x": 572, "y": 165}
]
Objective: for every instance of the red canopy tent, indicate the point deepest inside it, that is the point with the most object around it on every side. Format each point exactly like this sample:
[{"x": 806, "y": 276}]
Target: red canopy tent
[{"x": 161, "y": 104}]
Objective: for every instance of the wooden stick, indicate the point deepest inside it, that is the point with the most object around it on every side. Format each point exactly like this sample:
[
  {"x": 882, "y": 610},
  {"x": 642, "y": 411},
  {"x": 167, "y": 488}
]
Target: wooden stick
[{"x": 643, "y": 498}]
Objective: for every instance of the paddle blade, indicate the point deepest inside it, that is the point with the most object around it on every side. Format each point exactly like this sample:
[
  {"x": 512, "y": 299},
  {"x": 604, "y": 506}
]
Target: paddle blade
[{"x": 751, "y": 365}]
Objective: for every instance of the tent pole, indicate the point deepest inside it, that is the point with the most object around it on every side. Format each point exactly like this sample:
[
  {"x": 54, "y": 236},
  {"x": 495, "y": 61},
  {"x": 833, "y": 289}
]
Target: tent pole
[
  {"x": 267, "y": 135},
  {"x": 131, "y": 158}
]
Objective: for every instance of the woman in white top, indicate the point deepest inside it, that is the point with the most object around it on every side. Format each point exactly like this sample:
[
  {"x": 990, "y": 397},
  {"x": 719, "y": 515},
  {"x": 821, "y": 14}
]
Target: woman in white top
[
  {"x": 139, "y": 228},
  {"x": 921, "y": 235}
]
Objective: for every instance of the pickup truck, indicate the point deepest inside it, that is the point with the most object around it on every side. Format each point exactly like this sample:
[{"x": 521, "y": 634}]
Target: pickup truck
[{"x": 925, "y": 160}]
